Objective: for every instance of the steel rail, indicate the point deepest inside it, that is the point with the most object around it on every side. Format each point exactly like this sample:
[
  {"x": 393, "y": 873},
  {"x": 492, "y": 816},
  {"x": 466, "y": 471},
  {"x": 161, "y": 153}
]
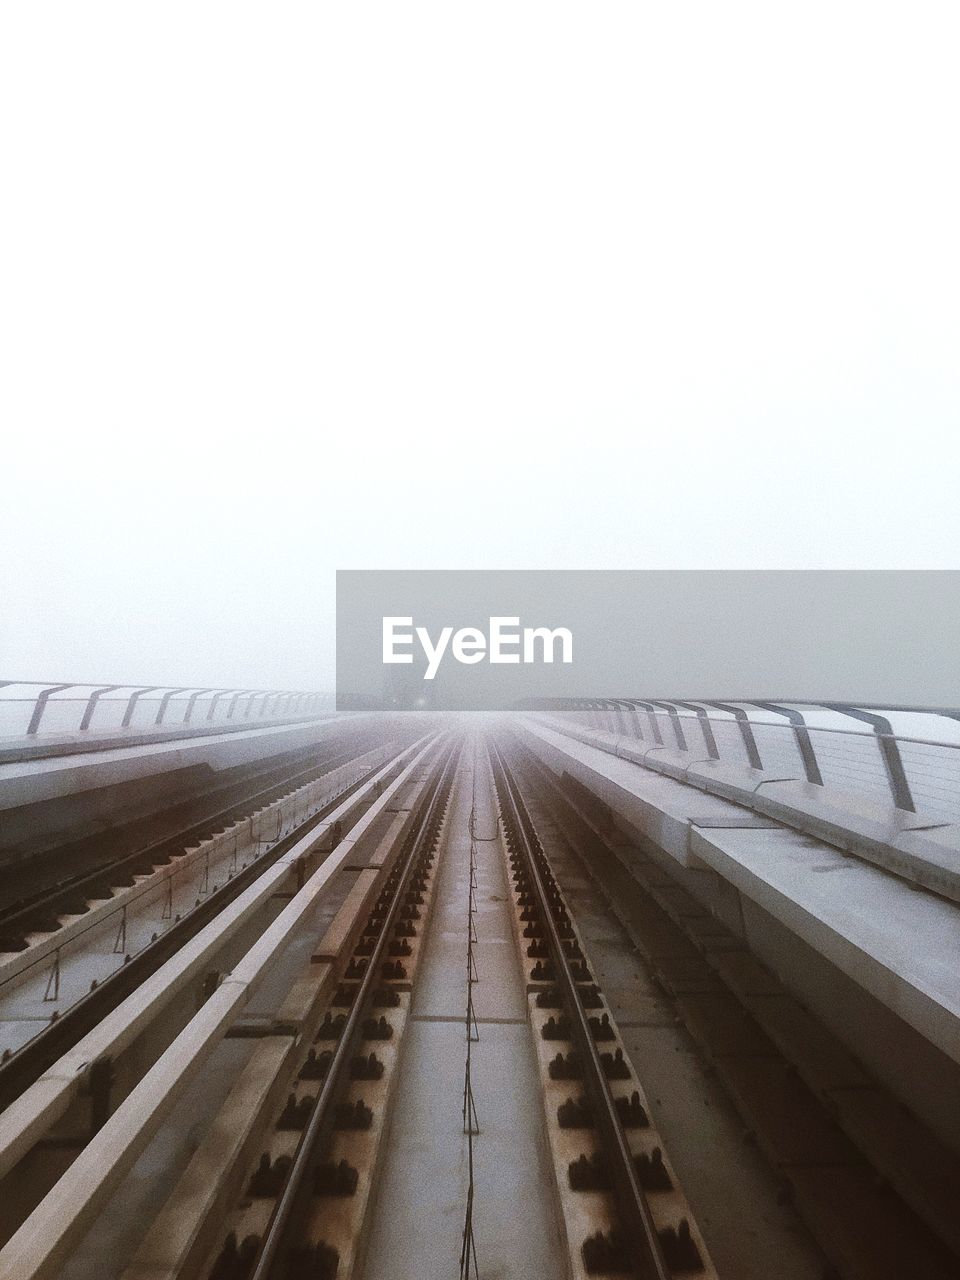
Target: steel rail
[
  {"x": 37, "y": 1055},
  {"x": 646, "y": 1251},
  {"x": 297, "y": 1182},
  {"x": 45, "y": 900}
]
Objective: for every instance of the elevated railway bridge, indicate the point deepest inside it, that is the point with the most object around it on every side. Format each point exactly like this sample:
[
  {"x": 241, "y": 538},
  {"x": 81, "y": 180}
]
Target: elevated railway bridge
[{"x": 612, "y": 986}]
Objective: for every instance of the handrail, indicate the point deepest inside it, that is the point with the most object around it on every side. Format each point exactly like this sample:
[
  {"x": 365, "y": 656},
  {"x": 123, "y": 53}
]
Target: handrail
[
  {"x": 86, "y": 702},
  {"x": 553, "y": 704},
  {"x": 808, "y": 737}
]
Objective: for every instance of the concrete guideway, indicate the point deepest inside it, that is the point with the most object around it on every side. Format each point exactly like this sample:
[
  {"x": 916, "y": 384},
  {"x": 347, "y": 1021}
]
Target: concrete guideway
[
  {"x": 57, "y": 968},
  {"x": 192, "y": 1225},
  {"x": 810, "y": 1106},
  {"x": 417, "y": 1226},
  {"x": 23, "y": 1123},
  {"x": 762, "y": 1236},
  {"x": 40, "y": 1247},
  {"x": 899, "y": 944}
]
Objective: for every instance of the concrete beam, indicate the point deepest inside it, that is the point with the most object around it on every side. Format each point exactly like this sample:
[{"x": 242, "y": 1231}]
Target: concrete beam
[
  {"x": 897, "y": 944},
  {"x": 34, "y": 781},
  {"x": 911, "y": 845}
]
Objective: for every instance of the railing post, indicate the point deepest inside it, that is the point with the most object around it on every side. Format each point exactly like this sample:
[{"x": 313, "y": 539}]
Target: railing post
[
  {"x": 634, "y": 719},
  {"x": 257, "y": 693},
  {"x": 807, "y": 755},
  {"x": 746, "y": 731},
  {"x": 134, "y": 699},
  {"x": 889, "y": 753},
  {"x": 92, "y": 704},
  {"x": 213, "y": 701},
  {"x": 705, "y": 727},
  {"x": 164, "y": 701},
  {"x": 674, "y": 715},
  {"x": 241, "y": 693},
  {"x": 190, "y": 701},
  {"x": 42, "y": 700},
  {"x": 652, "y": 717},
  {"x": 617, "y": 712},
  {"x": 607, "y": 709}
]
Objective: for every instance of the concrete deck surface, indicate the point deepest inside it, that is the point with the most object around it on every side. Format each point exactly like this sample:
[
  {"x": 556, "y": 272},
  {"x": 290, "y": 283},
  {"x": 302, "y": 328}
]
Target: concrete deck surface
[{"x": 418, "y": 1216}]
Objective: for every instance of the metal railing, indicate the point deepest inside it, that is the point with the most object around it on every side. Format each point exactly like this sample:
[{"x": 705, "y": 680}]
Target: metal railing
[
  {"x": 908, "y": 757},
  {"x": 29, "y": 707}
]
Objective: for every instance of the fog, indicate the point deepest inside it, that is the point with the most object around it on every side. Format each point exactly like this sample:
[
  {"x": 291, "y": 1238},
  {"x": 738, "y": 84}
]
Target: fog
[{"x": 286, "y": 289}]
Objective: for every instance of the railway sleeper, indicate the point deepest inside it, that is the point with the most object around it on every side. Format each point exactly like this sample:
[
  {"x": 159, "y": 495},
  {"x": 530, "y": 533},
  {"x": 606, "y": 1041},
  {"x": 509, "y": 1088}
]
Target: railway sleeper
[
  {"x": 590, "y": 1214},
  {"x": 900, "y": 1217},
  {"x": 347, "y": 1165}
]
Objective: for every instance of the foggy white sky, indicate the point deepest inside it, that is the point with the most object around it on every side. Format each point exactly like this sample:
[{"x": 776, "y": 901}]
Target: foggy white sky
[{"x": 286, "y": 288}]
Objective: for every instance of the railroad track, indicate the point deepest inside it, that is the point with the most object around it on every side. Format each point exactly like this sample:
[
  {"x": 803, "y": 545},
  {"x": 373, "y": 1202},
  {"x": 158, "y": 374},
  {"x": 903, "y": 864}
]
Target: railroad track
[
  {"x": 330, "y": 1053},
  {"x": 604, "y": 1145},
  {"x": 304, "y": 1199},
  {"x": 156, "y": 1074},
  {"x": 170, "y": 929},
  {"x": 40, "y": 910},
  {"x": 337, "y": 1108},
  {"x": 878, "y": 1198}
]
